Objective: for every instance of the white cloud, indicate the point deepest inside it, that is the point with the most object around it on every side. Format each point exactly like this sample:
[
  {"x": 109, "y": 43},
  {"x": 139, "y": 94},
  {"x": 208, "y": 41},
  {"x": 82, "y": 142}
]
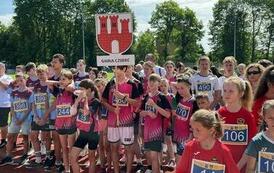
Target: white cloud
[{"x": 6, "y": 19}]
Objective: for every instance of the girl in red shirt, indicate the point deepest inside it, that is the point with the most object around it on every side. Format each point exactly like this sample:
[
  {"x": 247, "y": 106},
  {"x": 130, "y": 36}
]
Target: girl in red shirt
[
  {"x": 239, "y": 125},
  {"x": 205, "y": 152}
]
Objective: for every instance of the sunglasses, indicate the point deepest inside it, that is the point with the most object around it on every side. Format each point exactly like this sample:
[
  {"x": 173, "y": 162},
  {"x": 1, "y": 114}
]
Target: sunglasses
[{"x": 253, "y": 72}]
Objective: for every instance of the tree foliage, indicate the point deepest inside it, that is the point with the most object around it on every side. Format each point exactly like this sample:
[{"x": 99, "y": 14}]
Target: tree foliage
[
  {"x": 178, "y": 31},
  {"x": 252, "y": 23},
  {"x": 42, "y": 28}
]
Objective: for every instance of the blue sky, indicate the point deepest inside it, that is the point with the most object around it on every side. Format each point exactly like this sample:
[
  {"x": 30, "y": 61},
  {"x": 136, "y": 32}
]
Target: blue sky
[{"x": 143, "y": 10}]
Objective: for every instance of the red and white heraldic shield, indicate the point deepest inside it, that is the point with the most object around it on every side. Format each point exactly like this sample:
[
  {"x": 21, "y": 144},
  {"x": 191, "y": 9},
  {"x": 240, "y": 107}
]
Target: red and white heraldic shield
[{"x": 114, "y": 32}]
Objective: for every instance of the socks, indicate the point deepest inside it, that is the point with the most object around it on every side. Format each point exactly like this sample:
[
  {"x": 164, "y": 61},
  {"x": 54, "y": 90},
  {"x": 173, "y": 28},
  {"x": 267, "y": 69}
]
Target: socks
[
  {"x": 48, "y": 154},
  {"x": 38, "y": 158}
]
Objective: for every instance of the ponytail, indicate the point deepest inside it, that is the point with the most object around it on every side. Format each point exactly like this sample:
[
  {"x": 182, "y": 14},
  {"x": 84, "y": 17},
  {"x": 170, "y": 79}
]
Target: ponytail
[{"x": 247, "y": 98}]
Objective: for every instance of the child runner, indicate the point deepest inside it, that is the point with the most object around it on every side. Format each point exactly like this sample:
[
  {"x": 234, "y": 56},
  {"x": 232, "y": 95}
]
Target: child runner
[
  {"x": 137, "y": 148},
  {"x": 119, "y": 103},
  {"x": 206, "y": 82},
  {"x": 104, "y": 147},
  {"x": 239, "y": 127},
  {"x": 86, "y": 107},
  {"x": 30, "y": 69},
  {"x": 203, "y": 101},
  {"x": 168, "y": 124},
  {"x": 58, "y": 60},
  {"x": 65, "y": 124},
  {"x": 5, "y": 83},
  {"x": 260, "y": 151},
  {"x": 20, "y": 119},
  {"x": 81, "y": 73},
  {"x": 184, "y": 105},
  {"x": 170, "y": 75},
  {"x": 148, "y": 70},
  {"x": 40, "y": 103},
  {"x": 205, "y": 153},
  {"x": 155, "y": 107}
]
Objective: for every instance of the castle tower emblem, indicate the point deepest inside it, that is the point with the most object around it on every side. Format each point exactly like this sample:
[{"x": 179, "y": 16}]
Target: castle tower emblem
[{"x": 114, "y": 32}]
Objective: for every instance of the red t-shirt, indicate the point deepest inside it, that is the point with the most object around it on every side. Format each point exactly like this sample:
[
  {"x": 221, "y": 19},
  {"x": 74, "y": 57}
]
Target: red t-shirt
[
  {"x": 218, "y": 154},
  {"x": 257, "y": 107},
  {"x": 243, "y": 116}
]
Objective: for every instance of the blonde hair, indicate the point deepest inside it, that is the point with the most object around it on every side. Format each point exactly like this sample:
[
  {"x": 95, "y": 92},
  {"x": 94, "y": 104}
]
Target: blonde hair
[
  {"x": 149, "y": 64},
  {"x": 203, "y": 58},
  {"x": 244, "y": 87},
  {"x": 67, "y": 74},
  {"x": 42, "y": 68},
  {"x": 255, "y": 65},
  {"x": 101, "y": 81},
  {"x": 154, "y": 77},
  {"x": 230, "y": 59},
  {"x": 209, "y": 119},
  {"x": 269, "y": 104}
]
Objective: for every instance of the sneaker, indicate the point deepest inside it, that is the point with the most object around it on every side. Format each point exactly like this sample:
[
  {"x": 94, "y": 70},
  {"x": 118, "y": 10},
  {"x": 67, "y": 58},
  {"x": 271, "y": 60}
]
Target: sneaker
[
  {"x": 6, "y": 161},
  {"x": 148, "y": 171},
  {"x": 98, "y": 162},
  {"x": 3, "y": 144},
  {"x": 47, "y": 164},
  {"x": 123, "y": 169},
  {"x": 23, "y": 159},
  {"x": 60, "y": 168},
  {"x": 50, "y": 162},
  {"x": 31, "y": 164},
  {"x": 139, "y": 168},
  {"x": 171, "y": 164}
]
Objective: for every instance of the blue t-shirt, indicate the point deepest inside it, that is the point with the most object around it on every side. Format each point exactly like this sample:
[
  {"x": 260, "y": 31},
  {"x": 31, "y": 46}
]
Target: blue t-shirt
[{"x": 21, "y": 103}]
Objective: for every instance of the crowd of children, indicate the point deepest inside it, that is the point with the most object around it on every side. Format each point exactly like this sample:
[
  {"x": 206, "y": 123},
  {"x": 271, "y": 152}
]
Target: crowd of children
[{"x": 186, "y": 120}]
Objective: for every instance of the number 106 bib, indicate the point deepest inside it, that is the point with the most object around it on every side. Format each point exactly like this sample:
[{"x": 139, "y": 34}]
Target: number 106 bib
[{"x": 235, "y": 134}]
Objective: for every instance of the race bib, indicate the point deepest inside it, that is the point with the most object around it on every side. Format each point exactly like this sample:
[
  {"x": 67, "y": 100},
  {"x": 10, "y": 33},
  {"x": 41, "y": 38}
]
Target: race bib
[
  {"x": 199, "y": 166},
  {"x": 40, "y": 99},
  {"x": 266, "y": 162},
  {"x": 83, "y": 118},
  {"x": 204, "y": 87},
  {"x": 183, "y": 111},
  {"x": 63, "y": 110},
  {"x": 119, "y": 102},
  {"x": 20, "y": 105},
  {"x": 235, "y": 134},
  {"x": 150, "y": 108}
]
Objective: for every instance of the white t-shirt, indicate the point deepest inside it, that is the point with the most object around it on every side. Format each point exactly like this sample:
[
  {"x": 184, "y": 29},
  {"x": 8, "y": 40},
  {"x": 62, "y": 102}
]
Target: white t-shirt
[
  {"x": 4, "y": 95},
  {"x": 206, "y": 84},
  {"x": 160, "y": 70}
]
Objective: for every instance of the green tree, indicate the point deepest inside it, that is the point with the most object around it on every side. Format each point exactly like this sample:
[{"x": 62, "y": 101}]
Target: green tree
[
  {"x": 165, "y": 18},
  {"x": 145, "y": 44},
  {"x": 189, "y": 34},
  {"x": 228, "y": 15}
]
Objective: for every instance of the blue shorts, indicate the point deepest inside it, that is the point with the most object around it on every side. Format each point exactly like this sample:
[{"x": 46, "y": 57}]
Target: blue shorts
[{"x": 24, "y": 128}]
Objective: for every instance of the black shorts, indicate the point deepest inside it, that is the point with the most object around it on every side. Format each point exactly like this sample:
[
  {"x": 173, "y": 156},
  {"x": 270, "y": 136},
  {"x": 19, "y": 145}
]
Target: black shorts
[
  {"x": 36, "y": 127},
  {"x": 136, "y": 124},
  {"x": 66, "y": 131},
  {"x": 153, "y": 146},
  {"x": 90, "y": 138},
  {"x": 4, "y": 116}
]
